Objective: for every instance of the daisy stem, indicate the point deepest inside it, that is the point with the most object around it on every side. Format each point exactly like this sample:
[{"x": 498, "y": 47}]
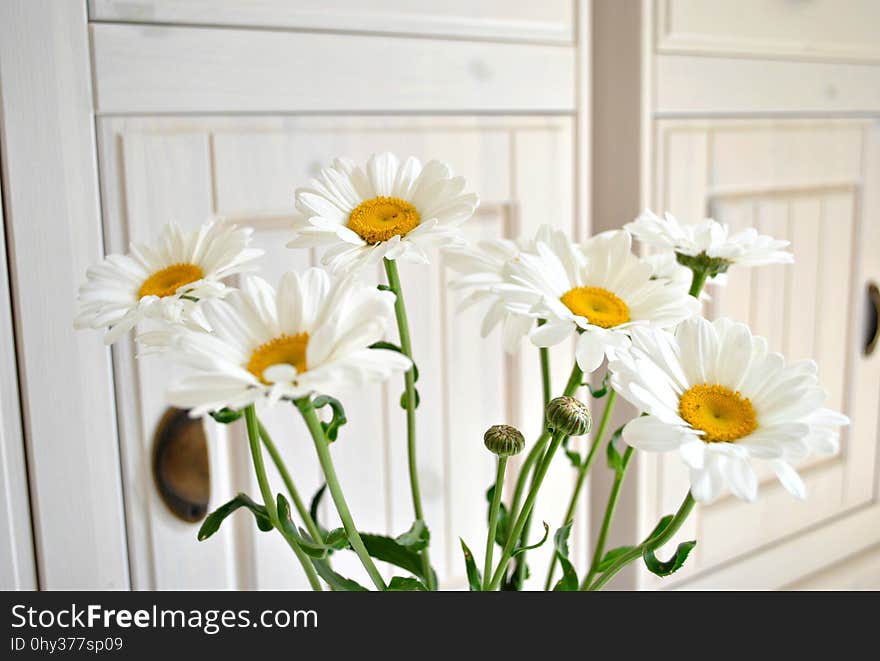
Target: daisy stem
[
  {"x": 583, "y": 469},
  {"x": 574, "y": 382},
  {"x": 311, "y": 419},
  {"x": 288, "y": 482},
  {"x": 493, "y": 520},
  {"x": 525, "y": 514},
  {"x": 599, "y": 551},
  {"x": 545, "y": 370},
  {"x": 253, "y": 432},
  {"x": 699, "y": 279},
  {"x": 410, "y": 388},
  {"x": 652, "y": 543}
]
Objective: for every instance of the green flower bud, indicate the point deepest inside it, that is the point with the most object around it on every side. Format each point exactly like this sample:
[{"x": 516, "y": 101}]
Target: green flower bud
[
  {"x": 504, "y": 440},
  {"x": 568, "y": 416},
  {"x": 712, "y": 266}
]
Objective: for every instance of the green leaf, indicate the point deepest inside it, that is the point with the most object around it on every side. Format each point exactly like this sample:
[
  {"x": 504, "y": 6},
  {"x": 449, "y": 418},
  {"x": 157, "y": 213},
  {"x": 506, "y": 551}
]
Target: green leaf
[
  {"x": 316, "y": 502},
  {"x": 226, "y": 415},
  {"x": 573, "y": 457},
  {"x": 523, "y": 549},
  {"x": 502, "y": 528},
  {"x": 331, "y": 429},
  {"x": 602, "y": 390},
  {"x": 661, "y": 526},
  {"x": 475, "y": 580},
  {"x": 215, "y": 518},
  {"x": 615, "y": 460},
  {"x": 393, "y": 347},
  {"x": 403, "y": 399},
  {"x": 416, "y": 538},
  {"x": 382, "y": 287},
  {"x": 337, "y": 539},
  {"x": 611, "y": 556},
  {"x": 569, "y": 580},
  {"x": 406, "y": 584},
  {"x": 310, "y": 547},
  {"x": 336, "y": 581},
  {"x": 672, "y": 565},
  {"x": 389, "y": 550}
]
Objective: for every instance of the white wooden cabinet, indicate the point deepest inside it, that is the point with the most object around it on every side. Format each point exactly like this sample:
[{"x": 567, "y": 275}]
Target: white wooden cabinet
[{"x": 791, "y": 146}]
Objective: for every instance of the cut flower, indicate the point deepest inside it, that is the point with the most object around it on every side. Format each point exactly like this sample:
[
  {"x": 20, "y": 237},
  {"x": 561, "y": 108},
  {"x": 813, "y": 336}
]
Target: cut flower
[
  {"x": 386, "y": 210},
  {"x": 164, "y": 281},
  {"x": 714, "y": 392},
  {"x": 312, "y": 335}
]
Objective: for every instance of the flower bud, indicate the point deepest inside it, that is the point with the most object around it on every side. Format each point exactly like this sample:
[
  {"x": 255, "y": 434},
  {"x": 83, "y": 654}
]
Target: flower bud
[
  {"x": 568, "y": 416},
  {"x": 504, "y": 440}
]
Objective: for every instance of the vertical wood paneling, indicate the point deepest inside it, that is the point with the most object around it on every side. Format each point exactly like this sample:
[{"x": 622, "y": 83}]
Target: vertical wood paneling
[
  {"x": 768, "y": 295},
  {"x": 50, "y": 189},
  {"x": 803, "y": 277}
]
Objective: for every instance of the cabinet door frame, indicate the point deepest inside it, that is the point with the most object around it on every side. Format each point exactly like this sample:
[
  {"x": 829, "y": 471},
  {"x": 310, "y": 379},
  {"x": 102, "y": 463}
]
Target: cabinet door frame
[{"x": 53, "y": 226}]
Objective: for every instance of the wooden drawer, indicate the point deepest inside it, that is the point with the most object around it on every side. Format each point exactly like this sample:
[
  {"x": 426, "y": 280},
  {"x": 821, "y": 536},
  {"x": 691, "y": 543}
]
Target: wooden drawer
[{"x": 814, "y": 29}]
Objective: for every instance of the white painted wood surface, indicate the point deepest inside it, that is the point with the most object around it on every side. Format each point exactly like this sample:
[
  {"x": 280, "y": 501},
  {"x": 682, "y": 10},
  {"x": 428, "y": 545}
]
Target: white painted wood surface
[
  {"x": 817, "y": 29},
  {"x": 180, "y": 69},
  {"x": 53, "y": 225},
  {"x": 514, "y": 20},
  {"x": 246, "y": 169},
  {"x": 17, "y": 567}
]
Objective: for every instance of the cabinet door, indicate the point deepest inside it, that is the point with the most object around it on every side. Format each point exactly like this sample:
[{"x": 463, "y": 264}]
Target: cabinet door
[
  {"x": 246, "y": 169},
  {"x": 813, "y": 182}
]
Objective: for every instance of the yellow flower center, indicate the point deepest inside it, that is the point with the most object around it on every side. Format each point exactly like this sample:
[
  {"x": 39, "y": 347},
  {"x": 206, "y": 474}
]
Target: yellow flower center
[
  {"x": 289, "y": 349},
  {"x": 383, "y": 217},
  {"x": 599, "y": 306},
  {"x": 167, "y": 281},
  {"x": 723, "y": 414}
]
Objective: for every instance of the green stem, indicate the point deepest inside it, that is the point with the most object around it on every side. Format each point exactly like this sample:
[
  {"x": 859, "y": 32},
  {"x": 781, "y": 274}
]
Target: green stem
[
  {"x": 310, "y": 524},
  {"x": 410, "y": 387},
  {"x": 540, "y": 473},
  {"x": 699, "y": 279},
  {"x": 253, "y": 433},
  {"x": 544, "y": 353},
  {"x": 599, "y": 551},
  {"x": 493, "y": 520},
  {"x": 651, "y": 543},
  {"x": 582, "y": 475},
  {"x": 322, "y": 447},
  {"x": 575, "y": 381}
]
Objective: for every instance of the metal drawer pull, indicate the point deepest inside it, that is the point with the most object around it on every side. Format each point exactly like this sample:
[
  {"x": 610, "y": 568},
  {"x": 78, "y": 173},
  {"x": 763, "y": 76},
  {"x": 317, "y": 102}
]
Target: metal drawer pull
[
  {"x": 872, "y": 319},
  {"x": 180, "y": 465}
]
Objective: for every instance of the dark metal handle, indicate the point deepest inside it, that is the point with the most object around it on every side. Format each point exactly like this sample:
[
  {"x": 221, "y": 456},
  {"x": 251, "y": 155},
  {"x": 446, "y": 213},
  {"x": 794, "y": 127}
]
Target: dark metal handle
[
  {"x": 872, "y": 319},
  {"x": 181, "y": 469}
]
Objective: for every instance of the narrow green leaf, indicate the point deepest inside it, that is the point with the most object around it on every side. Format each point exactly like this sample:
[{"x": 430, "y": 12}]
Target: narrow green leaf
[
  {"x": 226, "y": 415},
  {"x": 611, "y": 556},
  {"x": 215, "y": 519},
  {"x": 615, "y": 459},
  {"x": 388, "y": 550},
  {"x": 336, "y": 581},
  {"x": 416, "y": 538},
  {"x": 475, "y": 580},
  {"x": 672, "y": 565},
  {"x": 406, "y": 584},
  {"x": 503, "y": 525},
  {"x": 309, "y": 546},
  {"x": 523, "y": 549},
  {"x": 331, "y": 429},
  {"x": 316, "y": 502},
  {"x": 602, "y": 390},
  {"x": 573, "y": 456},
  {"x": 382, "y": 287},
  {"x": 403, "y": 400},
  {"x": 661, "y": 526},
  {"x": 337, "y": 539},
  {"x": 569, "y": 580}
]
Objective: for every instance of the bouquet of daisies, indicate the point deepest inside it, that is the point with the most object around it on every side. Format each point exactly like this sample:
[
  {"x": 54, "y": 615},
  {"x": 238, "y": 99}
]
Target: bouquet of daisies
[{"x": 710, "y": 391}]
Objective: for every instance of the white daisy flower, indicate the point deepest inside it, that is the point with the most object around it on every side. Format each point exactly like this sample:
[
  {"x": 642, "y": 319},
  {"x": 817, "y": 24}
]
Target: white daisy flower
[
  {"x": 163, "y": 282},
  {"x": 713, "y": 392},
  {"x": 387, "y": 209},
  {"x": 710, "y": 240},
  {"x": 485, "y": 265},
  {"x": 313, "y": 335},
  {"x": 602, "y": 291}
]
